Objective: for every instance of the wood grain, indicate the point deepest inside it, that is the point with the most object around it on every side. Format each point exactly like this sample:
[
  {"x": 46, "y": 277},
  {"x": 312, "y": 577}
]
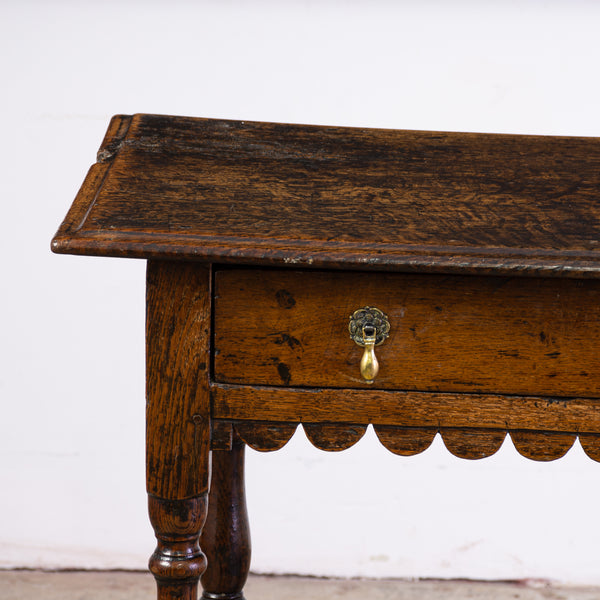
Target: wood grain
[
  {"x": 473, "y": 443},
  {"x": 177, "y": 562},
  {"x": 448, "y": 333},
  {"x": 542, "y": 445},
  {"x": 333, "y": 436},
  {"x": 405, "y": 409},
  {"x": 405, "y": 441},
  {"x": 177, "y": 362},
  {"x": 221, "y": 435},
  {"x": 93, "y": 181},
  {"x": 265, "y": 193},
  {"x": 488, "y": 252},
  {"x": 265, "y": 437},
  {"x": 226, "y": 535},
  {"x": 591, "y": 445}
]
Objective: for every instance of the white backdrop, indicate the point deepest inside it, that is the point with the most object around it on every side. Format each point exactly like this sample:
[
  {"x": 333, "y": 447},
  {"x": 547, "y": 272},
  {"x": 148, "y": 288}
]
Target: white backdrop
[{"x": 71, "y": 342}]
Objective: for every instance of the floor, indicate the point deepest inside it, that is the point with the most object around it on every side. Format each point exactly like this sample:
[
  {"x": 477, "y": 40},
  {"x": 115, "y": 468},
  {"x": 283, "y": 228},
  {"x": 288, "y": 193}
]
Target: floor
[{"x": 25, "y": 585}]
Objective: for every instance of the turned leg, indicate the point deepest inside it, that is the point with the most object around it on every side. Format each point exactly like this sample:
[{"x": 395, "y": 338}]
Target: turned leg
[
  {"x": 177, "y": 562},
  {"x": 177, "y": 422},
  {"x": 226, "y": 535}
]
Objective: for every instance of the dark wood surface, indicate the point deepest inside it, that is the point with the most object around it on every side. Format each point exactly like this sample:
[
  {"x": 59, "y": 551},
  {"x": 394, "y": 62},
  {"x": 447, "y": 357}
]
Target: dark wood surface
[
  {"x": 178, "y": 317},
  {"x": 448, "y": 333},
  {"x": 405, "y": 409},
  {"x": 493, "y": 335},
  {"x": 177, "y": 562},
  {"x": 226, "y": 534},
  {"x": 265, "y": 436},
  {"x": 264, "y": 193},
  {"x": 464, "y": 442}
]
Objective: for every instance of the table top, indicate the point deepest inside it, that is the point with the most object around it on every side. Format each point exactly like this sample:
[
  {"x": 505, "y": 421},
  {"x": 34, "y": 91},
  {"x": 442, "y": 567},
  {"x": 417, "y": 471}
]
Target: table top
[{"x": 335, "y": 197}]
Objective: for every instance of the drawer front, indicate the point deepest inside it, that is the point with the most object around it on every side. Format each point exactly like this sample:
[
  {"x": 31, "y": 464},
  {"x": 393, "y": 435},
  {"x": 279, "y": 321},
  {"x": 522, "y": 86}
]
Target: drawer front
[{"x": 448, "y": 333}]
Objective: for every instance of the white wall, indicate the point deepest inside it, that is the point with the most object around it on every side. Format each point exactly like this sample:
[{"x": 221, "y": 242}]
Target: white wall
[{"x": 71, "y": 342}]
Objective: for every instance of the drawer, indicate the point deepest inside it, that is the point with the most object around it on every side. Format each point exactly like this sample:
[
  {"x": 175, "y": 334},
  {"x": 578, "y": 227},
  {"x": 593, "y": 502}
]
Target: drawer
[{"x": 526, "y": 336}]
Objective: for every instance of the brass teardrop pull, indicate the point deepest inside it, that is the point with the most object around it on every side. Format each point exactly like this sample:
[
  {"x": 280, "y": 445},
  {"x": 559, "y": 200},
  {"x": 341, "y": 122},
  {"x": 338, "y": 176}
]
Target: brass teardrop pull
[
  {"x": 369, "y": 365},
  {"x": 369, "y": 327}
]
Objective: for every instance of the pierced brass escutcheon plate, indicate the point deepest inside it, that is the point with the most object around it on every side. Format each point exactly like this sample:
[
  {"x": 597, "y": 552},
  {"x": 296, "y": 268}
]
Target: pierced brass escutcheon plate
[
  {"x": 369, "y": 327},
  {"x": 368, "y": 316}
]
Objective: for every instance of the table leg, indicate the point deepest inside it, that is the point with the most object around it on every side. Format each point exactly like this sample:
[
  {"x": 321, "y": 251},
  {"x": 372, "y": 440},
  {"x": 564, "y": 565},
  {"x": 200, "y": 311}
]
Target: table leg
[
  {"x": 177, "y": 562},
  {"x": 177, "y": 421},
  {"x": 226, "y": 535}
]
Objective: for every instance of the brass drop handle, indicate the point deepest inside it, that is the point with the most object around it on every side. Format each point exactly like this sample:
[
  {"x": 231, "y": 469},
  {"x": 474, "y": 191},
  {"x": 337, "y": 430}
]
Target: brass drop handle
[
  {"x": 369, "y": 327},
  {"x": 369, "y": 365}
]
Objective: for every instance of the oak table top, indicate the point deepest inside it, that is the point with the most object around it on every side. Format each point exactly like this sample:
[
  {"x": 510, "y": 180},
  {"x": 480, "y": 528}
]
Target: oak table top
[{"x": 334, "y": 197}]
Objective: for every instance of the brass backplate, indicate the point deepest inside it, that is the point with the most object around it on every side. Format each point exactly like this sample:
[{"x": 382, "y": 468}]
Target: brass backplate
[{"x": 369, "y": 316}]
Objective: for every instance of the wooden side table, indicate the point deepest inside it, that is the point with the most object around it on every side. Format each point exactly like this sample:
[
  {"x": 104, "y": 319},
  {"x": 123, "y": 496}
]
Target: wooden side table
[{"x": 419, "y": 282}]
